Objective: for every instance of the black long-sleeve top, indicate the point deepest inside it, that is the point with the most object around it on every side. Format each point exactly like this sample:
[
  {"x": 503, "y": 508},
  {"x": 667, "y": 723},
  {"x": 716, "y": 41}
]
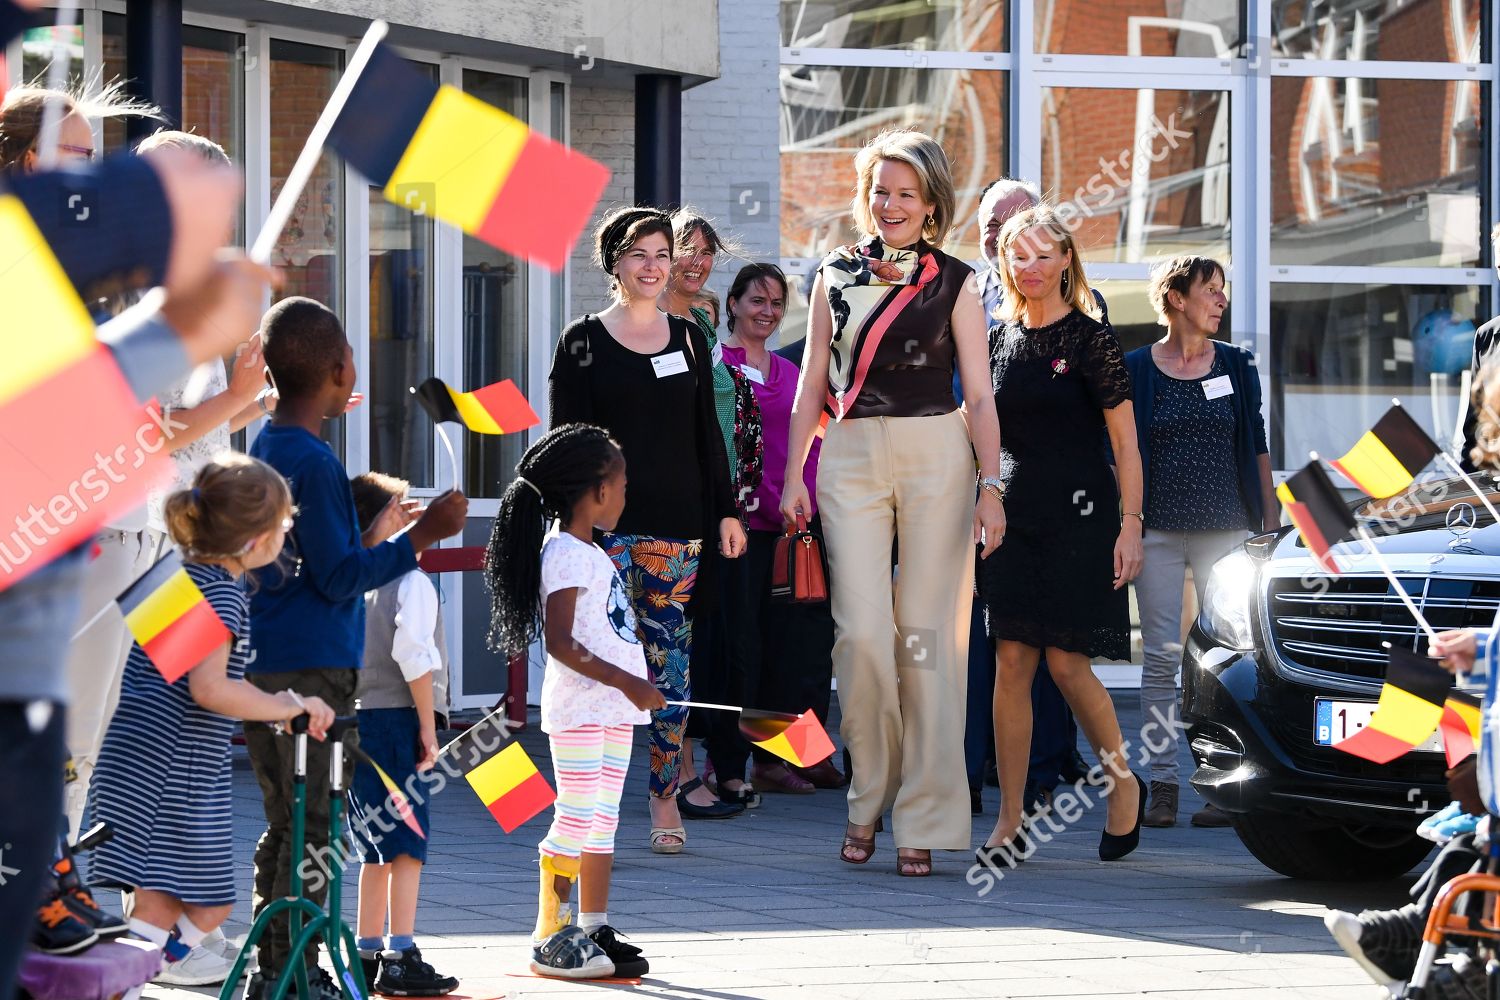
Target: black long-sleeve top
[{"x": 666, "y": 425}]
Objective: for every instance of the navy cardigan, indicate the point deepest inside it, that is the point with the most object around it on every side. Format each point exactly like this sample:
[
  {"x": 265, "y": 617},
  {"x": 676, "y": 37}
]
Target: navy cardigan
[{"x": 1249, "y": 426}]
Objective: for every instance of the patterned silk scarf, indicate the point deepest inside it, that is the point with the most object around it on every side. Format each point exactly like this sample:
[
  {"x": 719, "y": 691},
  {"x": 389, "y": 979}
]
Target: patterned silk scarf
[{"x": 867, "y": 285}]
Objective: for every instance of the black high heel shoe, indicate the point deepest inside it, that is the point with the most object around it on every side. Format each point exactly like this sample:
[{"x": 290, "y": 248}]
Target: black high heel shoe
[
  {"x": 1113, "y": 847},
  {"x": 1008, "y": 854}
]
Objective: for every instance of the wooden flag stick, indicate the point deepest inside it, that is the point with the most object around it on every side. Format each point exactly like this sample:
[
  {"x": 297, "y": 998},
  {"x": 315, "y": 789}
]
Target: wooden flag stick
[
  {"x": 90, "y": 623},
  {"x": 312, "y": 150},
  {"x": 57, "y": 79}
]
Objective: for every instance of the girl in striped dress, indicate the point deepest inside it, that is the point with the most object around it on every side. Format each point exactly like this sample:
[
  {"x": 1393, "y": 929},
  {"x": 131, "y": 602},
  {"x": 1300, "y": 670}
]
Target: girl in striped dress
[
  {"x": 162, "y": 781},
  {"x": 549, "y": 578}
]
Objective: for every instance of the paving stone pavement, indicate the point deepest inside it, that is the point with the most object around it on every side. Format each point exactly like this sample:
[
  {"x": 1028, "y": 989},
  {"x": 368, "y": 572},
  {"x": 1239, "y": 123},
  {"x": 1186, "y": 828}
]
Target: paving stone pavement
[{"x": 759, "y": 906}]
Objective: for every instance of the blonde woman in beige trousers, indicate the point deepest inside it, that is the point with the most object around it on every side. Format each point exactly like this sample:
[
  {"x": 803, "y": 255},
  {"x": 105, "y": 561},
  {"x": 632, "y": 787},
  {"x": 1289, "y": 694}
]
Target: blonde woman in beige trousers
[{"x": 891, "y": 318}]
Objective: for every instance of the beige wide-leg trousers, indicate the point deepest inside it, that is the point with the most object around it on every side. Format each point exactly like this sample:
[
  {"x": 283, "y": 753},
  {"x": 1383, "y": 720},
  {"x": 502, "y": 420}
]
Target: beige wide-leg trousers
[{"x": 901, "y": 646}]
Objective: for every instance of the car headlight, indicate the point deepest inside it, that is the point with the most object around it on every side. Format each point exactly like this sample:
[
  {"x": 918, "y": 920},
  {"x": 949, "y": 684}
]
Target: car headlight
[{"x": 1228, "y": 600}]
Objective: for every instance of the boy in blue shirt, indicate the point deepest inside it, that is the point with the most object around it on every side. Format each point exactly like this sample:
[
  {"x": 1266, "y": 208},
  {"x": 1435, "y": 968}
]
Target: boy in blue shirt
[{"x": 307, "y": 613}]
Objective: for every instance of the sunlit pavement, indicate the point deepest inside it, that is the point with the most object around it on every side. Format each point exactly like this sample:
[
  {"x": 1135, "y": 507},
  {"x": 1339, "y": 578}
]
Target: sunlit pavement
[{"x": 760, "y": 906}]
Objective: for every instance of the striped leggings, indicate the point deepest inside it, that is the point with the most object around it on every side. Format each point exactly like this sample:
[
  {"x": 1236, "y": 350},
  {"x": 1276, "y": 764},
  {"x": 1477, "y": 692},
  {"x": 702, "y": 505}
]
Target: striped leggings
[{"x": 589, "y": 764}]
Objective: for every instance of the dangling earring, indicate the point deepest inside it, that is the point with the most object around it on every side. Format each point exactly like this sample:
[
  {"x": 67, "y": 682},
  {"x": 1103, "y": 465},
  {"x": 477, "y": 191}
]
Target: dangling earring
[
  {"x": 931, "y": 223},
  {"x": 1065, "y": 284}
]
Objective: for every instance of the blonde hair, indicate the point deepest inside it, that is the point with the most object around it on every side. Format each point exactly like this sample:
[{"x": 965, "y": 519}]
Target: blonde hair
[
  {"x": 1179, "y": 274},
  {"x": 233, "y": 499},
  {"x": 1044, "y": 216},
  {"x": 1486, "y": 402},
  {"x": 170, "y": 138},
  {"x": 707, "y": 298},
  {"x": 25, "y": 107},
  {"x": 934, "y": 179}
]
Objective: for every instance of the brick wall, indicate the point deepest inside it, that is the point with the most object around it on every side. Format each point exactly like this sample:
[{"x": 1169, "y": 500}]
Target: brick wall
[
  {"x": 731, "y": 157},
  {"x": 603, "y": 126}
]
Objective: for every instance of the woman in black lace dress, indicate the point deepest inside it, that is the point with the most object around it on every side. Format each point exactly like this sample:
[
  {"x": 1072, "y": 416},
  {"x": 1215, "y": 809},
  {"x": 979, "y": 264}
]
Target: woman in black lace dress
[{"x": 1059, "y": 582}]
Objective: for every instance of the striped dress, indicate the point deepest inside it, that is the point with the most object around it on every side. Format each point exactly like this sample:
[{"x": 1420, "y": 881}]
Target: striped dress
[{"x": 162, "y": 782}]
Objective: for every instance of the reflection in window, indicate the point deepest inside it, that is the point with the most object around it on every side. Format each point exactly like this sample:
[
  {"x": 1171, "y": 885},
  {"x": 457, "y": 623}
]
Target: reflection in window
[
  {"x": 1208, "y": 29},
  {"x": 1340, "y": 352},
  {"x": 1409, "y": 30},
  {"x": 1145, "y": 172},
  {"x": 213, "y": 89},
  {"x": 931, "y": 25},
  {"x": 402, "y": 345},
  {"x": 828, "y": 113},
  {"x": 1134, "y": 320},
  {"x": 311, "y": 248},
  {"x": 38, "y": 46},
  {"x": 1376, "y": 171},
  {"x": 494, "y": 317}
]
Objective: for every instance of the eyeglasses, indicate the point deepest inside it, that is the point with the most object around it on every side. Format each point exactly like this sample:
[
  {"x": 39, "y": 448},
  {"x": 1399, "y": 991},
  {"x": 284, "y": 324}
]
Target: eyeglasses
[{"x": 87, "y": 152}]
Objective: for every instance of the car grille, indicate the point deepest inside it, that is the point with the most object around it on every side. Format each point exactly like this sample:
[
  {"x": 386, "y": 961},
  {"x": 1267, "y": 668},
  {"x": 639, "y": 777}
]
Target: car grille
[{"x": 1340, "y": 630}]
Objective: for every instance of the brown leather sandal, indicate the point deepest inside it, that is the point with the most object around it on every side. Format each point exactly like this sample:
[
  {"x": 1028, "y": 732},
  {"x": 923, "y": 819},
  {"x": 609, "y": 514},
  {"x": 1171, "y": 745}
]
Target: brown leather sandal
[
  {"x": 865, "y": 844},
  {"x": 919, "y": 867}
]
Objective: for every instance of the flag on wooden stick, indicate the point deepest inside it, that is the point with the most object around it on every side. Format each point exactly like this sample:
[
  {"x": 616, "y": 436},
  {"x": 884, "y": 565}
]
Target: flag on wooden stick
[{"x": 441, "y": 152}]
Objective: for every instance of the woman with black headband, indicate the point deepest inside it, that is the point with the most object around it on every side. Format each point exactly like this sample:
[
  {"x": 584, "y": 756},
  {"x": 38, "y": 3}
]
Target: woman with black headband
[{"x": 645, "y": 377}]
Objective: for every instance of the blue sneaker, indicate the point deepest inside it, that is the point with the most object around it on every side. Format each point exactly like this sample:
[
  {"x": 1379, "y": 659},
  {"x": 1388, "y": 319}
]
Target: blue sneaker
[{"x": 1447, "y": 823}]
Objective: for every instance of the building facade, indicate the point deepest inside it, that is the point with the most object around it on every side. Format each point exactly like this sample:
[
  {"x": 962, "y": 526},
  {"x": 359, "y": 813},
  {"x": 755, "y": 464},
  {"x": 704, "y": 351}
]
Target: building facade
[{"x": 1337, "y": 155}]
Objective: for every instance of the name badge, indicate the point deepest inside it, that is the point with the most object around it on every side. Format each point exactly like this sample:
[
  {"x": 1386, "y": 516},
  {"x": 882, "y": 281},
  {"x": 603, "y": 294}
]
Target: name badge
[
  {"x": 669, "y": 364},
  {"x": 1213, "y": 388},
  {"x": 753, "y": 374}
]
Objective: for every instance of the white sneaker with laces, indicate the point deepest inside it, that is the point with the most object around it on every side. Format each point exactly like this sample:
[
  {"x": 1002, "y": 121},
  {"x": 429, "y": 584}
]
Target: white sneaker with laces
[{"x": 201, "y": 968}]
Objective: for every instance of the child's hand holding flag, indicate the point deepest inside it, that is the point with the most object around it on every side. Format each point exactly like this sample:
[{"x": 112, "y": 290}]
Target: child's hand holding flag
[{"x": 1456, "y": 650}]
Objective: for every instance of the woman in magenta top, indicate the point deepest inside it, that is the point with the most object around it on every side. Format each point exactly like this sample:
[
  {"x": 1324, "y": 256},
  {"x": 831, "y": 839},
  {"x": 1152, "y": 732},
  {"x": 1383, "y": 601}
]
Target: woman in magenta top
[{"x": 790, "y": 646}]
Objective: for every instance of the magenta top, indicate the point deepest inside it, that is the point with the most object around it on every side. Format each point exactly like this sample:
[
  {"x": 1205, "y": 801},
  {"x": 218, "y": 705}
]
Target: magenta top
[{"x": 775, "y": 395}]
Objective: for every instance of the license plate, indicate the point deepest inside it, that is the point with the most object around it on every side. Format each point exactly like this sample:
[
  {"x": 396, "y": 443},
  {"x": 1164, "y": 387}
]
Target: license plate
[{"x": 1336, "y": 721}]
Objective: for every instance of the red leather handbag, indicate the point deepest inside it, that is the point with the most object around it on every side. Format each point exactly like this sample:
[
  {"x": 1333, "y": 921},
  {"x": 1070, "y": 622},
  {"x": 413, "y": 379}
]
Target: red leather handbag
[{"x": 799, "y": 567}]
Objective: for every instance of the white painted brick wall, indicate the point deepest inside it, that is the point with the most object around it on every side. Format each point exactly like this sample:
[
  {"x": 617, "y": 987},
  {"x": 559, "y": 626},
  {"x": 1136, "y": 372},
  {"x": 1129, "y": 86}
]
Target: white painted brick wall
[
  {"x": 602, "y": 123},
  {"x": 731, "y": 153}
]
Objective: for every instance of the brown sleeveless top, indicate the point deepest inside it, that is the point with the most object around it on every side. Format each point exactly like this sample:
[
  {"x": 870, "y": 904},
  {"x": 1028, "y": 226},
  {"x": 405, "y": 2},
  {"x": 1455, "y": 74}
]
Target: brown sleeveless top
[{"x": 892, "y": 351}]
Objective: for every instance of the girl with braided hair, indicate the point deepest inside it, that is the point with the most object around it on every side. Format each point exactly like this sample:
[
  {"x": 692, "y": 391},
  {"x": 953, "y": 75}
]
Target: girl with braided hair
[
  {"x": 548, "y": 578},
  {"x": 647, "y": 377}
]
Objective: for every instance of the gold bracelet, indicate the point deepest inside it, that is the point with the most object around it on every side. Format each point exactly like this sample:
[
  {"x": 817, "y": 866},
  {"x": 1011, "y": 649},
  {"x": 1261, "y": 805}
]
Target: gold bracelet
[
  {"x": 1136, "y": 513},
  {"x": 993, "y": 491}
]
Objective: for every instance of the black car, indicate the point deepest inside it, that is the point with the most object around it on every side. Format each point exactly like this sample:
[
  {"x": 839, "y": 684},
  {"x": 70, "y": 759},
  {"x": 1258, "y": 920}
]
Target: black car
[{"x": 1285, "y": 659}]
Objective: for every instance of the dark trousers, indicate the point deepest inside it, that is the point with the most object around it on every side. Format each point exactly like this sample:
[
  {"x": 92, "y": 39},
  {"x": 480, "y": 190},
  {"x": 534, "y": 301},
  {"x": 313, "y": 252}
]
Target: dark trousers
[
  {"x": 272, "y": 757},
  {"x": 723, "y": 669},
  {"x": 1054, "y": 731},
  {"x": 31, "y": 804},
  {"x": 1458, "y": 857},
  {"x": 788, "y": 650}
]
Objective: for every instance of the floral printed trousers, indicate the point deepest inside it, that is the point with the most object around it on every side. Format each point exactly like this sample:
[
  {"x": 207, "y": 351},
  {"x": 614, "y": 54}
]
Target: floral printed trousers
[{"x": 659, "y": 574}]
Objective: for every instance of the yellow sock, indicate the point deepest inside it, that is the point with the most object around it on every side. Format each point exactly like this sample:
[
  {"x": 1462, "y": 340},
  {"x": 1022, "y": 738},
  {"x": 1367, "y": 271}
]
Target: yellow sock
[{"x": 551, "y": 912}]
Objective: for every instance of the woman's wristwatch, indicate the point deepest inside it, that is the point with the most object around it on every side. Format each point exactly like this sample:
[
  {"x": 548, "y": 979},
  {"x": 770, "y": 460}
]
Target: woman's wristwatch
[{"x": 994, "y": 486}]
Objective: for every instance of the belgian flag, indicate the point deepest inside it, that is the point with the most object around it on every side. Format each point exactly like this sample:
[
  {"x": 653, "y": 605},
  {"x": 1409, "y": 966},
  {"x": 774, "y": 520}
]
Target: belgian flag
[
  {"x": 799, "y": 739},
  {"x": 498, "y": 408},
  {"x": 441, "y": 152},
  {"x": 171, "y": 619},
  {"x": 1317, "y": 511},
  {"x": 511, "y": 787},
  {"x": 1410, "y": 707},
  {"x": 63, "y": 404},
  {"x": 1460, "y": 726},
  {"x": 1386, "y": 459}
]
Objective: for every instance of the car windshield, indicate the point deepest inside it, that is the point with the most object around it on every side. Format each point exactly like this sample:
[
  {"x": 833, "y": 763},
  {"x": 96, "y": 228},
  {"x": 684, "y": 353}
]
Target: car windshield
[{"x": 1428, "y": 503}]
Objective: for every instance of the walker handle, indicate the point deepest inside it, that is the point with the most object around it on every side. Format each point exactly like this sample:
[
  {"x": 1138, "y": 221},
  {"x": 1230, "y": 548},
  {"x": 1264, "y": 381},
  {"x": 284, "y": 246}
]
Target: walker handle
[
  {"x": 298, "y": 724},
  {"x": 342, "y": 725}
]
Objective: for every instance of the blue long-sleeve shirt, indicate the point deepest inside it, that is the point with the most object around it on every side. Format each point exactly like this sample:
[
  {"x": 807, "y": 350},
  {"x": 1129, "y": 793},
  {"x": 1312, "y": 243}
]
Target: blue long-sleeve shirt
[
  {"x": 316, "y": 618},
  {"x": 127, "y": 246}
]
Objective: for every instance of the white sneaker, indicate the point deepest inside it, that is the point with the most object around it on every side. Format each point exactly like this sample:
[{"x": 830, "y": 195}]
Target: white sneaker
[
  {"x": 229, "y": 949},
  {"x": 201, "y": 968}
]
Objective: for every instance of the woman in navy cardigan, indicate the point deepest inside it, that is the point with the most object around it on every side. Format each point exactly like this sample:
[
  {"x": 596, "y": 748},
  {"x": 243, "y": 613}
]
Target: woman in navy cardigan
[{"x": 1206, "y": 484}]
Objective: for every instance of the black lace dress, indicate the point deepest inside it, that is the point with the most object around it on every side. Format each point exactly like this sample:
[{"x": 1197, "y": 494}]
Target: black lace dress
[{"x": 1052, "y": 581}]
